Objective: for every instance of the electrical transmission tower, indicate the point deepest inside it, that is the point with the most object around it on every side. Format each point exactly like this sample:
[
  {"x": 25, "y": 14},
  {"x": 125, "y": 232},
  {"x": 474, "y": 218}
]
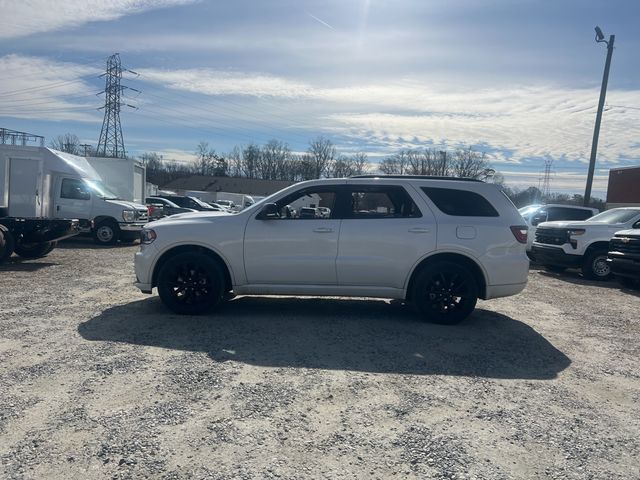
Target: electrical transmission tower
[
  {"x": 111, "y": 143},
  {"x": 546, "y": 184}
]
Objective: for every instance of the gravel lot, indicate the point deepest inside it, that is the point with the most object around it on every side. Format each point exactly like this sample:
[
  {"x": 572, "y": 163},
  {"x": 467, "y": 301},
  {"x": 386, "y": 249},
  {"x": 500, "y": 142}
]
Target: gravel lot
[{"x": 99, "y": 381}]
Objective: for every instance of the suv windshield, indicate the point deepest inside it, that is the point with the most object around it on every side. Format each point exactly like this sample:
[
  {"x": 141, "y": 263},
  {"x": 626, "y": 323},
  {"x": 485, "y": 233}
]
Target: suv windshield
[
  {"x": 101, "y": 189},
  {"x": 616, "y": 215},
  {"x": 206, "y": 206}
]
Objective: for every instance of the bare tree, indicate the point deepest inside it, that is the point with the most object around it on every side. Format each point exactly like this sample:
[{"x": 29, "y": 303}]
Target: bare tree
[
  {"x": 208, "y": 162},
  {"x": 470, "y": 164},
  {"x": 321, "y": 153},
  {"x": 360, "y": 163},
  {"x": 396, "y": 164},
  {"x": 68, "y": 142}
]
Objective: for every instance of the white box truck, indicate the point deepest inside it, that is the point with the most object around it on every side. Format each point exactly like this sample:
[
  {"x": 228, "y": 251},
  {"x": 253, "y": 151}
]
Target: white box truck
[
  {"x": 126, "y": 177},
  {"x": 45, "y": 183}
]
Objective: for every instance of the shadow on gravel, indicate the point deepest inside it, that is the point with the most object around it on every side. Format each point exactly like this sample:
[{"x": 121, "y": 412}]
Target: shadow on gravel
[
  {"x": 87, "y": 243},
  {"x": 359, "y": 335},
  {"x": 576, "y": 278},
  {"x": 16, "y": 264}
]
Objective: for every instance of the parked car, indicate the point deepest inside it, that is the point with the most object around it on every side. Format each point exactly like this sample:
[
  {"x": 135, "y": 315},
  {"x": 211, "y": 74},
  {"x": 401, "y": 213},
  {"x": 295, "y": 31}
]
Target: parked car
[
  {"x": 192, "y": 203},
  {"x": 324, "y": 212},
  {"x": 227, "y": 204},
  {"x": 435, "y": 242},
  {"x": 585, "y": 245},
  {"x": 537, "y": 214},
  {"x": 308, "y": 212},
  {"x": 168, "y": 207},
  {"x": 624, "y": 256},
  {"x": 218, "y": 208}
]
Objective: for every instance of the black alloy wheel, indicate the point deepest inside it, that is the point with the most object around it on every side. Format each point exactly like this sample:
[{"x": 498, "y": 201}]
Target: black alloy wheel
[{"x": 191, "y": 283}]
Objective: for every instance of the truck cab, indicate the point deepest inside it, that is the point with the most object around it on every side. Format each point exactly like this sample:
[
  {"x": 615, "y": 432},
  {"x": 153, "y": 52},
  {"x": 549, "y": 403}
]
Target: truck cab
[{"x": 100, "y": 210}]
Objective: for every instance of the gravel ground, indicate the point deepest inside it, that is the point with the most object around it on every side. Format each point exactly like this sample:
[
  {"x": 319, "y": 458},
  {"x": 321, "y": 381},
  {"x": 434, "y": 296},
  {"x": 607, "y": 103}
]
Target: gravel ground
[{"x": 99, "y": 381}]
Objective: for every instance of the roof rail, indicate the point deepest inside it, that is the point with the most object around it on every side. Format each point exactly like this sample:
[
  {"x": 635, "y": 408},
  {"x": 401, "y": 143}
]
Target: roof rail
[{"x": 420, "y": 177}]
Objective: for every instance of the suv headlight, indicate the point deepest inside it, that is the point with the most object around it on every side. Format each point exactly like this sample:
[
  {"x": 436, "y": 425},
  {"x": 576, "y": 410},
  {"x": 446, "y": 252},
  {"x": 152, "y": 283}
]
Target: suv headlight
[
  {"x": 147, "y": 236},
  {"x": 128, "y": 215},
  {"x": 577, "y": 231}
]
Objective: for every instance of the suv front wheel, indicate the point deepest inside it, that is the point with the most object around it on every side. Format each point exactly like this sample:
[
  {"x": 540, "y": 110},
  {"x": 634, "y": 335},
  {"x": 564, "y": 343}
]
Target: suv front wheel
[
  {"x": 191, "y": 283},
  {"x": 445, "y": 292}
]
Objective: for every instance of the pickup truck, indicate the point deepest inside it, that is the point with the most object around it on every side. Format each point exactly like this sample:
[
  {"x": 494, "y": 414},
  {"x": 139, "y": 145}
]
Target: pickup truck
[
  {"x": 585, "y": 245},
  {"x": 624, "y": 257}
]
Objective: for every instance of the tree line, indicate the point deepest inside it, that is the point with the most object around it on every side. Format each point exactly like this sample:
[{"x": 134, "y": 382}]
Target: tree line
[{"x": 276, "y": 161}]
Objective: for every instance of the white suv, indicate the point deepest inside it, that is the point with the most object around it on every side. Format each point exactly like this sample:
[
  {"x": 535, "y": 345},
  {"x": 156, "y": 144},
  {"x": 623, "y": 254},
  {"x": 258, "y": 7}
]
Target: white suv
[{"x": 439, "y": 243}]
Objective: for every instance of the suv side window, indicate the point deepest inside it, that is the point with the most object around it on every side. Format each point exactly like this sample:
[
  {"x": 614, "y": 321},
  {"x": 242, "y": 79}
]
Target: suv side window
[
  {"x": 74, "y": 189},
  {"x": 314, "y": 203},
  {"x": 460, "y": 203},
  {"x": 380, "y": 201}
]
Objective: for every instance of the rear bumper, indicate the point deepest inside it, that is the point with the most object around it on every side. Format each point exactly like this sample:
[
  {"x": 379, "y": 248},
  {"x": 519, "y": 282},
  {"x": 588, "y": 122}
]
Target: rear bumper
[
  {"x": 554, "y": 256},
  {"x": 624, "y": 267},
  {"x": 497, "y": 291}
]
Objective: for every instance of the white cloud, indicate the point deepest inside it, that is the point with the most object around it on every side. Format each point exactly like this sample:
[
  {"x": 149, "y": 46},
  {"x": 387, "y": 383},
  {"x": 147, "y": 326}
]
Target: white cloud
[
  {"x": 40, "y": 89},
  {"x": 24, "y": 17},
  {"x": 515, "y": 123}
]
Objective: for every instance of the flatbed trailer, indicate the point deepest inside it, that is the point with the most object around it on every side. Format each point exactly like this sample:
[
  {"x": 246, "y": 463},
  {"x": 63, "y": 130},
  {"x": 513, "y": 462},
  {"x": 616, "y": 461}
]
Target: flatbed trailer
[{"x": 33, "y": 237}]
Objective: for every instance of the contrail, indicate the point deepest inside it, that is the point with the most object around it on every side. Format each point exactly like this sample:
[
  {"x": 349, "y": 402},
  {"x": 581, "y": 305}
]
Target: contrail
[{"x": 320, "y": 21}]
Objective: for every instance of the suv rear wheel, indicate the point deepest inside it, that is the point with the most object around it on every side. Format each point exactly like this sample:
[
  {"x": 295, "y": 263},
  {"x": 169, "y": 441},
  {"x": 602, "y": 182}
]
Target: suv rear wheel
[
  {"x": 595, "y": 266},
  {"x": 445, "y": 292},
  {"x": 191, "y": 283}
]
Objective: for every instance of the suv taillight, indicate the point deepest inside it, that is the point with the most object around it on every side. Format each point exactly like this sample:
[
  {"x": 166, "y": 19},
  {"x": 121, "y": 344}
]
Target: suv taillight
[{"x": 520, "y": 232}]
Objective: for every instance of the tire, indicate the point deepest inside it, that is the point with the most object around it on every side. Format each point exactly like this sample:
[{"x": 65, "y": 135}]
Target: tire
[
  {"x": 628, "y": 282},
  {"x": 555, "y": 268},
  {"x": 7, "y": 244},
  {"x": 106, "y": 232},
  {"x": 34, "y": 250},
  {"x": 191, "y": 284},
  {"x": 595, "y": 266},
  {"x": 445, "y": 292}
]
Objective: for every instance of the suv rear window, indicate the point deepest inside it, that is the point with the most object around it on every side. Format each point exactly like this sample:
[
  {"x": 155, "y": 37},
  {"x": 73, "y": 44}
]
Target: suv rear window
[{"x": 460, "y": 203}]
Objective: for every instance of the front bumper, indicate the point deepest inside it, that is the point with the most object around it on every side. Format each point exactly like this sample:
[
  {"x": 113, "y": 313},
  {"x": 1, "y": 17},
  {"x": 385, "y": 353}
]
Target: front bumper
[
  {"x": 624, "y": 267},
  {"x": 547, "y": 255},
  {"x": 132, "y": 227}
]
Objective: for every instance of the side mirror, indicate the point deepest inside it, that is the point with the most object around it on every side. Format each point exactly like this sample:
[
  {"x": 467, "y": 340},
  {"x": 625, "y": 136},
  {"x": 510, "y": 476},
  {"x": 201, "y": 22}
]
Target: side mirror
[
  {"x": 269, "y": 212},
  {"x": 538, "y": 219},
  {"x": 636, "y": 225}
]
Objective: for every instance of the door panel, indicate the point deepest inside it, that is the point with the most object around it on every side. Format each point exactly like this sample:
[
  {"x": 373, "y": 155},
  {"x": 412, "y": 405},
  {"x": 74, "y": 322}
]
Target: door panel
[
  {"x": 300, "y": 245},
  {"x": 25, "y": 198},
  {"x": 70, "y": 202},
  {"x": 291, "y": 251},
  {"x": 382, "y": 236}
]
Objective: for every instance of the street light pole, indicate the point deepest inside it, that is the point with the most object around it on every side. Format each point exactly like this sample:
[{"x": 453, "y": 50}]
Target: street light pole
[{"x": 596, "y": 129}]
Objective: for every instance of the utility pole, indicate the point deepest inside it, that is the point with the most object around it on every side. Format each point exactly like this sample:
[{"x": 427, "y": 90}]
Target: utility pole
[
  {"x": 596, "y": 129},
  {"x": 86, "y": 148},
  {"x": 443, "y": 154},
  {"x": 111, "y": 143},
  {"x": 546, "y": 185}
]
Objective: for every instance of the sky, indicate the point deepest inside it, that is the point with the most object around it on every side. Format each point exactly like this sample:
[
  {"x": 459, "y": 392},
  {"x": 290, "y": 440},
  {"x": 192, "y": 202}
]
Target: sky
[{"x": 516, "y": 79}]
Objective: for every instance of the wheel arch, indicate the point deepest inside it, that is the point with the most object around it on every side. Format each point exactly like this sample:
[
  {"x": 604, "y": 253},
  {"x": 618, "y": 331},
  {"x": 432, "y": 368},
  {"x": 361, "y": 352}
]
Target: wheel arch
[
  {"x": 173, "y": 251},
  {"x": 456, "y": 257},
  {"x": 101, "y": 218},
  {"x": 599, "y": 245}
]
